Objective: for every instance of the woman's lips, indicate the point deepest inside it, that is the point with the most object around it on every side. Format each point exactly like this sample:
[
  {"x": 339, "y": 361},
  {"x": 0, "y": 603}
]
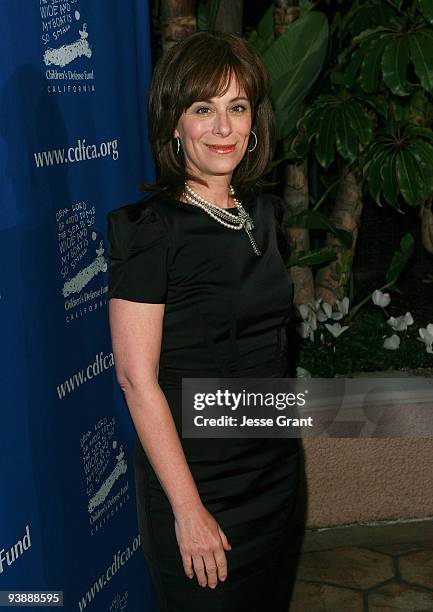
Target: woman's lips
[{"x": 221, "y": 148}]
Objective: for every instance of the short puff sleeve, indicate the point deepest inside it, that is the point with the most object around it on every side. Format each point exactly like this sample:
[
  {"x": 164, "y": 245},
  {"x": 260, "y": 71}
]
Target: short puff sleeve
[{"x": 138, "y": 253}]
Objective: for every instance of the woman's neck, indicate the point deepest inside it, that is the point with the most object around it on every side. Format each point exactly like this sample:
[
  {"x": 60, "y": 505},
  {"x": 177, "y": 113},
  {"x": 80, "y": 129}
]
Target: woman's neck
[{"x": 217, "y": 192}]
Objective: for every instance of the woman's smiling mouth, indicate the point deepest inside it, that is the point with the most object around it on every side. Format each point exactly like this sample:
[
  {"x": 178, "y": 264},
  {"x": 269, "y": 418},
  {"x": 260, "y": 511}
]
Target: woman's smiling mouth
[{"x": 221, "y": 148}]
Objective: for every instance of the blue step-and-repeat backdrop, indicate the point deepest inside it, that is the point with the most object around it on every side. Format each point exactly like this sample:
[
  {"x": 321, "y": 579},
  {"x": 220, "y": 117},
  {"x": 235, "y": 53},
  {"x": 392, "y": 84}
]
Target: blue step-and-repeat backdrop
[{"x": 73, "y": 145}]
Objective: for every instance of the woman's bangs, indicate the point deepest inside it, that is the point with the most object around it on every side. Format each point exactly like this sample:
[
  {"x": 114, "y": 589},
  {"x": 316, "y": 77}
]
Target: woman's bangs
[{"x": 215, "y": 83}]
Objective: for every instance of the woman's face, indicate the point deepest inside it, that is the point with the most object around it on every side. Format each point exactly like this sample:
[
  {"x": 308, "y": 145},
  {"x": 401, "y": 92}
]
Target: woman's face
[{"x": 215, "y": 132}]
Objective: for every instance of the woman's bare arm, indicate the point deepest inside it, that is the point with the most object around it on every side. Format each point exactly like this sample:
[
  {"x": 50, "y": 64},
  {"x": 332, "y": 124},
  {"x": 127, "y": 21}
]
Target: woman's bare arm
[{"x": 136, "y": 333}]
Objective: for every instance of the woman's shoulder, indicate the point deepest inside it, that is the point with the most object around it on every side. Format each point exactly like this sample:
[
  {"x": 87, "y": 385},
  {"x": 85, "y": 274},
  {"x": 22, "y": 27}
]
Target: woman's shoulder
[
  {"x": 137, "y": 223},
  {"x": 142, "y": 210},
  {"x": 153, "y": 207}
]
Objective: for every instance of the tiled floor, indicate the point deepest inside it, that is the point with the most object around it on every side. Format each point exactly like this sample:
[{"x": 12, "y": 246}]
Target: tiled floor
[{"x": 365, "y": 568}]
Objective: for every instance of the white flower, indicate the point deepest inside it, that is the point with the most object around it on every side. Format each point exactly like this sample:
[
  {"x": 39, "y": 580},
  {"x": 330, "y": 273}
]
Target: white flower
[
  {"x": 343, "y": 307},
  {"x": 304, "y": 329},
  {"x": 426, "y": 334},
  {"x": 309, "y": 324},
  {"x": 304, "y": 310},
  {"x": 392, "y": 342},
  {"x": 302, "y": 373},
  {"x": 313, "y": 320},
  {"x": 327, "y": 309},
  {"x": 336, "y": 329},
  {"x": 321, "y": 316},
  {"x": 400, "y": 323},
  {"x": 380, "y": 299}
]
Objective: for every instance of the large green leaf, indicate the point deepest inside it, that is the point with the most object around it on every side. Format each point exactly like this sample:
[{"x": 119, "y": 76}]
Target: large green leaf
[
  {"x": 420, "y": 131},
  {"x": 263, "y": 37},
  {"x": 310, "y": 122},
  {"x": 313, "y": 219},
  {"x": 400, "y": 258},
  {"x": 202, "y": 17},
  {"x": 346, "y": 137},
  {"x": 370, "y": 16},
  {"x": 372, "y": 171},
  {"x": 389, "y": 181},
  {"x": 368, "y": 35},
  {"x": 378, "y": 104},
  {"x": 352, "y": 68},
  {"x": 287, "y": 155},
  {"x": 360, "y": 121},
  {"x": 294, "y": 61},
  {"x": 213, "y": 13},
  {"x": 287, "y": 119},
  {"x": 421, "y": 52},
  {"x": 426, "y": 7},
  {"x": 426, "y": 150},
  {"x": 408, "y": 177},
  {"x": 310, "y": 258},
  {"x": 324, "y": 148},
  {"x": 395, "y": 59},
  {"x": 369, "y": 76},
  {"x": 424, "y": 168},
  {"x": 207, "y": 15}
]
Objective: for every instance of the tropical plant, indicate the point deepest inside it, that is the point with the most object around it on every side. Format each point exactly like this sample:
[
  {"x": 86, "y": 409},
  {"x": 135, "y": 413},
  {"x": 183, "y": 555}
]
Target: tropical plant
[{"x": 365, "y": 121}]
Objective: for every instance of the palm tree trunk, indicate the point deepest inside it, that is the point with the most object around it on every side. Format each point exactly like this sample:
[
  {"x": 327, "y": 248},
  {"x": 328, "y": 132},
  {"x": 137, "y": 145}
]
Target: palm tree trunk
[
  {"x": 296, "y": 200},
  {"x": 178, "y": 21},
  {"x": 426, "y": 216},
  {"x": 285, "y": 13},
  {"x": 296, "y": 195},
  {"x": 332, "y": 279}
]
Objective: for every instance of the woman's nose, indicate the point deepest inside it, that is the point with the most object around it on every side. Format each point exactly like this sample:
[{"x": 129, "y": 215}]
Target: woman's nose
[{"x": 222, "y": 124}]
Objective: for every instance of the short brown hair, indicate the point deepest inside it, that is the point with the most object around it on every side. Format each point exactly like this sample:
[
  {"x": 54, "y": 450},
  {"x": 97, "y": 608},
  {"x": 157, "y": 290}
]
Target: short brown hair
[{"x": 198, "y": 68}]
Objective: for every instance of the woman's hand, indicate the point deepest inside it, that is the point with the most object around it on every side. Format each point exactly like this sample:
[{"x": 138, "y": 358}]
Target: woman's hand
[{"x": 202, "y": 542}]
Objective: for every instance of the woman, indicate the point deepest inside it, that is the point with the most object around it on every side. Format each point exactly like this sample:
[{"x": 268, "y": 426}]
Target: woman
[{"x": 189, "y": 297}]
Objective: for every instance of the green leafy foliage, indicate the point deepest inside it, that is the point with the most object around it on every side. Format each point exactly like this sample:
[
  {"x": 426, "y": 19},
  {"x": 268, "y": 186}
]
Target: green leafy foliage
[
  {"x": 263, "y": 37},
  {"x": 396, "y": 266},
  {"x": 207, "y": 15},
  {"x": 399, "y": 161},
  {"x": 426, "y": 8},
  {"x": 387, "y": 53},
  {"x": 335, "y": 123},
  {"x": 311, "y": 258},
  {"x": 313, "y": 219},
  {"x": 399, "y": 259},
  {"x": 294, "y": 61}
]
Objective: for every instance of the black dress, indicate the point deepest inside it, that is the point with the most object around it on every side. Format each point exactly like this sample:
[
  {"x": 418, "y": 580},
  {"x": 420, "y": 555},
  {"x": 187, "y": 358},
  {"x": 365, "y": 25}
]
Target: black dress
[{"x": 226, "y": 314}]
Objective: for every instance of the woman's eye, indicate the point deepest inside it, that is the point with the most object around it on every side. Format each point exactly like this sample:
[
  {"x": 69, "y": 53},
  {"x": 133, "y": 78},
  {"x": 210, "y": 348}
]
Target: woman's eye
[{"x": 202, "y": 110}]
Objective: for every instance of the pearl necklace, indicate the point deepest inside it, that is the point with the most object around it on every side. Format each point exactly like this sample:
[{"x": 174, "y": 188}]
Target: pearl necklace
[{"x": 236, "y": 222}]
